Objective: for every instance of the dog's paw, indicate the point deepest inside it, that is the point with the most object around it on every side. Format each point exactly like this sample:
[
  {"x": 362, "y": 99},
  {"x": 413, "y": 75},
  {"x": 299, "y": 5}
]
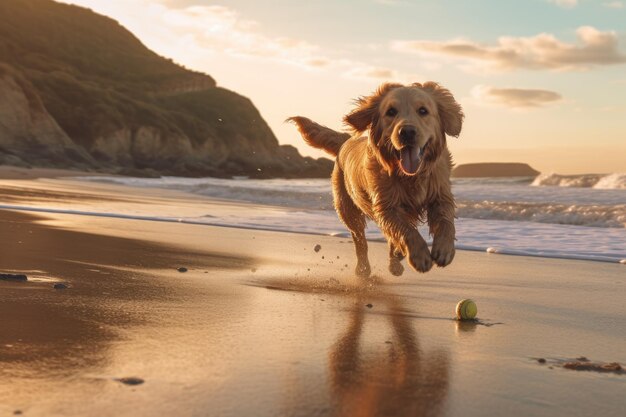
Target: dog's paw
[
  {"x": 395, "y": 267},
  {"x": 443, "y": 251},
  {"x": 363, "y": 270},
  {"x": 421, "y": 260}
]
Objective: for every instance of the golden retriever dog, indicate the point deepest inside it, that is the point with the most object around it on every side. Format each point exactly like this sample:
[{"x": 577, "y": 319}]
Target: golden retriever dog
[{"x": 398, "y": 176}]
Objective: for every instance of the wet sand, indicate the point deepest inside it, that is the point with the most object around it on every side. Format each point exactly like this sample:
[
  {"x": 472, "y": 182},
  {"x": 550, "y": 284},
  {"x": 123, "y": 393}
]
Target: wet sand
[
  {"x": 263, "y": 325},
  {"x": 18, "y": 173}
]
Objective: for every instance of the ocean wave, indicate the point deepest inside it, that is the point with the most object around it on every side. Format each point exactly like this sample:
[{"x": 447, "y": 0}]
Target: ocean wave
[
  {"x": 615, "y": 181},
  {"x": 295, "y": 193},
  {"x": 571, "y": 214},
  {"x": 488, "y": 199}
]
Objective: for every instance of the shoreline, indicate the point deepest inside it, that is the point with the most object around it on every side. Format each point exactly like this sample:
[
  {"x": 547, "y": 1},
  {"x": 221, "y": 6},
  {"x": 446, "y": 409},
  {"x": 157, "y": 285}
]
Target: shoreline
[
  {"x": 489, "y": 250},
  {"x": 72, "y": 194}
]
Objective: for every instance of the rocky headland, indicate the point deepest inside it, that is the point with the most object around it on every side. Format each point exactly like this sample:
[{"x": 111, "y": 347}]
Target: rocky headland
[{"x": 78, "y": 90}]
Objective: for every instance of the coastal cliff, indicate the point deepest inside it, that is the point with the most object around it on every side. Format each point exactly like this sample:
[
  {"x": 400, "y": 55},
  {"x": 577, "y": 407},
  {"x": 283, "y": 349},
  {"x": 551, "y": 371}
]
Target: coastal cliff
[{"x": 77, "y": 90}]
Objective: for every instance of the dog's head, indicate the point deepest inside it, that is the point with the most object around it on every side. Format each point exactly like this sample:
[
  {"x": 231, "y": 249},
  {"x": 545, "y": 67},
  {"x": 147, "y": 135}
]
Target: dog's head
[{"x": 407, "y": 124}]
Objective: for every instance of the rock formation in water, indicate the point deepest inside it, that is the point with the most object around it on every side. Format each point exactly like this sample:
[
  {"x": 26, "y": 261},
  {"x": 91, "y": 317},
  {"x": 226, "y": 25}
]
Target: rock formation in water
[{"x": 494, "y": 169}]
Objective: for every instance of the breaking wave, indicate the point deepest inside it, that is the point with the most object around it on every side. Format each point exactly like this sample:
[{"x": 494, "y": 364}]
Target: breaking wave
[
  {"x": 510, "y": 199},
  {"x": 616, "y": 181},
  {"x": 572, "y": 214}
]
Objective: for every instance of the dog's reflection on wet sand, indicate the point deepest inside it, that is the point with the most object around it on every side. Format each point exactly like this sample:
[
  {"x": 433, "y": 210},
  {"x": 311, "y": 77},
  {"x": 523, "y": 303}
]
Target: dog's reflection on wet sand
[{"x": 398, "y": 379}]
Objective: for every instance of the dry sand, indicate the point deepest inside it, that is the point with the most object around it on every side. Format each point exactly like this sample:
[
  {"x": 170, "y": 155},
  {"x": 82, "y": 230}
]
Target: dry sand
[{"x": 262, "y": 325}]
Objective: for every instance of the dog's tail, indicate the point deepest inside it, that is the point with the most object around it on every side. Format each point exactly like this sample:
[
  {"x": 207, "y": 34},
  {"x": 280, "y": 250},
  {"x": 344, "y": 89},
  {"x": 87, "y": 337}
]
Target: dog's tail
[{"x": 319, "y": 136}]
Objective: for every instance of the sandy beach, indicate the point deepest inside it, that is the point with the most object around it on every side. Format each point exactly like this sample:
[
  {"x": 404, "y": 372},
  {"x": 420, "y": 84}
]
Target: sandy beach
[{"x": 261, "y": 324}]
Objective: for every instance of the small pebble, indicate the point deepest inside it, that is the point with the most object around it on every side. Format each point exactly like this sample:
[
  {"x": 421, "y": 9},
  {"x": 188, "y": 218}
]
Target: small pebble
[
  {"x": 253, "y": 270},
  {"x": 13, "y": 277},
  {"x": 317, "y": 248},
  {"x": 131, "y": 380},
  {"x": 182, "y": 269},
  {"x": 369, "y": 305},
  {"x": 59, "y": 286},
  {"x": 17, "y": 412},
  {"x": 541, "y": 360}
]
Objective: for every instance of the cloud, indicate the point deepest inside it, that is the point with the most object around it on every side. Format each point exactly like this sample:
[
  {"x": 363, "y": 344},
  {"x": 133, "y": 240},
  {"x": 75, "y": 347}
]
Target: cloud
[
  {"x": 371, "y": 72},
  {"x": 566, "y": 4},
  {"x": 614, "y": 5},
  {"x": 515, "y": 97},
  {"x": 197, "y": 30},
  {"x": 541, "y": 52},
  {"x": 219, "y": 28}
]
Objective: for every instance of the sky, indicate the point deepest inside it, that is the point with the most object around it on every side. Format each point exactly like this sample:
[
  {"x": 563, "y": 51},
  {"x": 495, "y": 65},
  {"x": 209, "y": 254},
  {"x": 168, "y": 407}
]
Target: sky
[{"x": 540, "y": 81}]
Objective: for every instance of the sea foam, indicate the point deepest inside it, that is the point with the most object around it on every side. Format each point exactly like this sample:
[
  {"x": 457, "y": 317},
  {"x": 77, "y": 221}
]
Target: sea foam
[
  {"x": 507, "y": 215},
  {"x": 616, "y": 181}
]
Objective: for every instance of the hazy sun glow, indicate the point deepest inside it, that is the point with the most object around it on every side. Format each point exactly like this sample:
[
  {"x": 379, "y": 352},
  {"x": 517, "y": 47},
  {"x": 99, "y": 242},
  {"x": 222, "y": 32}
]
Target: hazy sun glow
[{"x": 540, "y": 82}]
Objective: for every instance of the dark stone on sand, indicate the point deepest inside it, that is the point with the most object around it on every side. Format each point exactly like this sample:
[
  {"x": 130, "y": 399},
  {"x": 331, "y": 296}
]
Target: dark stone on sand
[
  {"x": 17, "y": 412},
  {"x": 369, "y": 305},
  {"x": 13, "y": 277},
  {"x": 131, "y": 380},
  {"x": 182, "y": 269},
  {"x": 585, "y": 365},
  {"x": 317, "y": 248},
  {"x": 59, "y": 286},
  {"x": 541, "y": 360}
]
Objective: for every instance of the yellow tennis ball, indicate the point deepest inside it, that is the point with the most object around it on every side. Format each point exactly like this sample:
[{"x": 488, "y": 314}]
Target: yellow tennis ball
[{"x": 466, "y": 309}]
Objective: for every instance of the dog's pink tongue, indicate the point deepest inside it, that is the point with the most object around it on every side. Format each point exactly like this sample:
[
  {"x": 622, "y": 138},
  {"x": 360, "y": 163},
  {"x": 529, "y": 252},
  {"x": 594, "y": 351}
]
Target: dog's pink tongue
[{"x": 410, "y": 159}]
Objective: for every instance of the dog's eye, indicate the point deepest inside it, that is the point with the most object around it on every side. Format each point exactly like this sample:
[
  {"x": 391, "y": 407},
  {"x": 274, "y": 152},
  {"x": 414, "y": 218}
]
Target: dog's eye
[
  {"x": 423, "y": 111},
  {"x": 391, "y": 112}
]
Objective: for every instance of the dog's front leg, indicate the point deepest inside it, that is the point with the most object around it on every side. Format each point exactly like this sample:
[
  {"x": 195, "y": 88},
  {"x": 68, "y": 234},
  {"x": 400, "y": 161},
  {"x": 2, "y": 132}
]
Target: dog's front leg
[
  {"x": 397, "y": 228},
  {"x": 441, "y": 223}
]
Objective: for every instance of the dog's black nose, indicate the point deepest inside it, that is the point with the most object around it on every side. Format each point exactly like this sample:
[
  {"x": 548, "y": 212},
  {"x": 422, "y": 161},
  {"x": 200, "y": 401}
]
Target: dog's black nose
[{"x": 407, "y": 135}]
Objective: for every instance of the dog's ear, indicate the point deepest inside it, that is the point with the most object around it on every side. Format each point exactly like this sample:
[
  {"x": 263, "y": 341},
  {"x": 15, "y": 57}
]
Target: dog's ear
[
  {"x": 450, "y": 111},
  {"x": 381, "y": 149},
  {"x": 366, "y": 109}
]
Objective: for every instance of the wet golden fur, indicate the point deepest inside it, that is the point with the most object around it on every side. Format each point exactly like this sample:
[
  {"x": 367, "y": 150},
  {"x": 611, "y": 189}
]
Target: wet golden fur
[{"x": 369, "y": 180}]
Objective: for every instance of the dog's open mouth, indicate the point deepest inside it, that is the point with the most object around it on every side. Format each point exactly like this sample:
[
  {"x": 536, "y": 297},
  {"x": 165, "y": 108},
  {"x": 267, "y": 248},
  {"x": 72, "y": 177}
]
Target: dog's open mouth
[{"x": 410, "y": 158}]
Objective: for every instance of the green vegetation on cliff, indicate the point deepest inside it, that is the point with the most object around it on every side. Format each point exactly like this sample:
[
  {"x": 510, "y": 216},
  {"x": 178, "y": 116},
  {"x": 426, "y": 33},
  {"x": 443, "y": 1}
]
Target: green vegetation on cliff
[{"x": 131, "y": 109}]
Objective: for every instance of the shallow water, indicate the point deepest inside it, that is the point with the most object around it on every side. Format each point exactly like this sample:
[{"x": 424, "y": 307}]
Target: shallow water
[{"x": 503, "y": 215}]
